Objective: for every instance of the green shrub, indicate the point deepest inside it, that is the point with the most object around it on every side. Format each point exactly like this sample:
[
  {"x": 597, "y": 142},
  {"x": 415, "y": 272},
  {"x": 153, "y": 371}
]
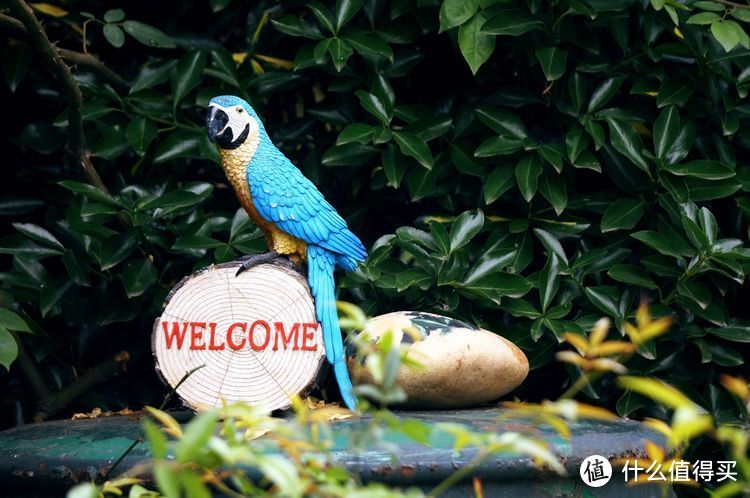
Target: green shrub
[{"x": 527, "y": 166}]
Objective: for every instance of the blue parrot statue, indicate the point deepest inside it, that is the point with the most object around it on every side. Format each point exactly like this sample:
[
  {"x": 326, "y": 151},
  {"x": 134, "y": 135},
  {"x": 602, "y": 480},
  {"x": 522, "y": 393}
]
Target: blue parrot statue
[{"x": 293, "y": 215}]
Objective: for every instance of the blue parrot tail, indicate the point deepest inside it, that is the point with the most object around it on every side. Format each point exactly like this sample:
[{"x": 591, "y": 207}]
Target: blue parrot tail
[{"x": 320, "y": 265}]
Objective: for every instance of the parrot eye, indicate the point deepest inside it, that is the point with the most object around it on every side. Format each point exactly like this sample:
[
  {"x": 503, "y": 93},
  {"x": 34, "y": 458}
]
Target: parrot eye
[{"x": 239, "y": 110}]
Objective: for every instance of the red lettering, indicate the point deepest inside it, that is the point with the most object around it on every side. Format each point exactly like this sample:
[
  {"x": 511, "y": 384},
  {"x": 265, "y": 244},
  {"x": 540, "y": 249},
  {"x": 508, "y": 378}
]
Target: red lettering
[
  {"x": 285, "y": 339},
  {"x": 211, "y": 344},
  {"x": 196, "y": 334},
  {"x": 268, "y": 335},
  {"x": 232, "y": 344},
  {"x": 309, "y": 335},
  {"x": 177, "y": 334}
]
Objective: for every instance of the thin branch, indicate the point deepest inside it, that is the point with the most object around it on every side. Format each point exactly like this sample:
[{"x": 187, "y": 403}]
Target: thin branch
[
  {"x": 30, "y": 372},
  {"x": 50, "y": 56},
  {"x": 82, "y": 385},
  {"x": 85, "y": 60},
  {"x": 734, "y": 4}
]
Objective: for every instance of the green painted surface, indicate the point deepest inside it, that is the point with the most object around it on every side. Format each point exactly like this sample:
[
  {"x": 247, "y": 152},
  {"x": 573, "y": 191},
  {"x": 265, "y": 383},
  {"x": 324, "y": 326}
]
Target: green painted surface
[{"x": 49, "y": 457}]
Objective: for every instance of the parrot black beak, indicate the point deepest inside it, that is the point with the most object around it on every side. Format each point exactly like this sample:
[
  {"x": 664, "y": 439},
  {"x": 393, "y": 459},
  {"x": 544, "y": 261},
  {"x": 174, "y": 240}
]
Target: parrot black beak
[{"x": 216, "y": 120}]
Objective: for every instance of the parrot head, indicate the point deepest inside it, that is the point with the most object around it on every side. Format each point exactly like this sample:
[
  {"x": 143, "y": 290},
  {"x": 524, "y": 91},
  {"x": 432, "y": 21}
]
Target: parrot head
[{"x": 230, "y": 121}]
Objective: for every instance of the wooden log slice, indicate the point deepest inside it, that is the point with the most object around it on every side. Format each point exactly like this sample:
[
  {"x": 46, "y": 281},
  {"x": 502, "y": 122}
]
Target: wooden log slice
[{"x": 256, "y": 336}]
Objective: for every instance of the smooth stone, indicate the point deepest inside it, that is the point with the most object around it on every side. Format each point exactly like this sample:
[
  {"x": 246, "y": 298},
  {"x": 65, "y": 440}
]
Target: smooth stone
[{"x": 463, "y": 365}]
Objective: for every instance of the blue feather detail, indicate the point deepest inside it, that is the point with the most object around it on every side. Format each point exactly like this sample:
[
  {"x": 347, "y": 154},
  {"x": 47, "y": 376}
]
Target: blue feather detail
[
  {"x": 320, "y": 264},
  {"x": 281, "y": 194}
]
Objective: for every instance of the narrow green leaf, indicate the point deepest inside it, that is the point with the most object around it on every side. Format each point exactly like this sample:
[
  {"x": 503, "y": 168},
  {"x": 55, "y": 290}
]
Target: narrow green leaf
[
  {"x": 296, "y": 26},
  {"x": 412, "y": 146},
  {"x": 502, "y": 122},
  {"x": 548, "y": 281},
  {"x": 498, "y": 182},
  {"x": 465, "y": 227},
  {"x": 188, "y": 74},
  {"x": 148, "y": 35},
  {"x": 633, "y": 275},
  {"x": 527, "y": 171},
  {"x": 666, "y": 130},
  {"x": 552, "y": 187},
  {"x": 701, "y": 168},
  {"x": 552, "y": 245},
  {"x": 604, "y": 92},
  {"x": 623, "y": 214},
  {"x": 345, "y": 11},
  {"x": 498, "y": 146},
  {"x": 603, "y": 299},
  {"x": 512, "y": 22},
  {"x": 627, "y": 142},
  {"x": 38, "y": 233},
  {"x": 374, "y": 106}
]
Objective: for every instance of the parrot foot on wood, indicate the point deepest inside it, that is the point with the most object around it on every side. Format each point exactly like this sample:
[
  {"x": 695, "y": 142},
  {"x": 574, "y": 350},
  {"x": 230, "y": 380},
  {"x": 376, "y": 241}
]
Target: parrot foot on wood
[{"x": 253, "y": 260}]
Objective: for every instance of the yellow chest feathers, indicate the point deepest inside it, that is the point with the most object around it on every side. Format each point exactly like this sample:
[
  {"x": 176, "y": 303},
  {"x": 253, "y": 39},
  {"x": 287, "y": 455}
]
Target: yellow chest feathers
[{"x": 235, "y": 161}]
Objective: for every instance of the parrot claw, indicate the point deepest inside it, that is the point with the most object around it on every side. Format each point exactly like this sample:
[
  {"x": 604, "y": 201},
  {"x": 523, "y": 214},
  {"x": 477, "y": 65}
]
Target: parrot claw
[{"x": 253, "y": 260}]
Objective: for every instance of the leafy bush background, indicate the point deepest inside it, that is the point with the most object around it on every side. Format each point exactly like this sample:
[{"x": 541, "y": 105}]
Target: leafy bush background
[{"x": 526, "y": 166}]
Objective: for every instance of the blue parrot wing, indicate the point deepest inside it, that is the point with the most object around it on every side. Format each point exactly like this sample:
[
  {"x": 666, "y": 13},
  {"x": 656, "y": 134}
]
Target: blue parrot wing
[{"x": 284, "y": 196}]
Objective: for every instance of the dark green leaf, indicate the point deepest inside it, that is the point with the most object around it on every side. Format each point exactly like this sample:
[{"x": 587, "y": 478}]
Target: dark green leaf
[
  {"x": 114, "y": 35},
  {"x": 351, "y": 154},
  {"x": 552, "y": 187},
  {"x": 140, "y": 133},
  {"x": 623, "y": 214},
  {"x": 340, "y": 51},
  {"x": 114, "y": 15},
  {"x": 633, "y": 275},
  {"x": 513, "y": 22},
  {"x": 548, "y": 281},
  {"x": 502, "y": 122},
  {"x": 89, "y": 191},
  {"x": 456, "y": 12},
  {"x": 39, "y": 234},
  {"x": 296, "y": 26},
  {"x": 137, "y": 276},
  {"x": 627, "y": 142},
  {"x": 498, "y": 182},
  {"x": 666, "y": 129},
  {"x": 732, "y": 333},
  {"x": 604, "y": 92},
  {"x": 476, "y": 45},
  {"x": 148, "y": 35},
  {"x": 528, "y": 170},
  {"x": 11, "y": 321},
  {"x": 8, "y": 348},
  {"x": 701, "y": 168},
  {"x": 466, "y": 226},
  {"x": 374, "y": 106},
  {"x": 603, "y": 298},
  {"x": 345, "y": 10},
  {"x": 552, "y": 60},
  {"x": 188, "y": 74},
  {"x": 412, "y": 146},
  {"x": 500, "y": 284}
]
